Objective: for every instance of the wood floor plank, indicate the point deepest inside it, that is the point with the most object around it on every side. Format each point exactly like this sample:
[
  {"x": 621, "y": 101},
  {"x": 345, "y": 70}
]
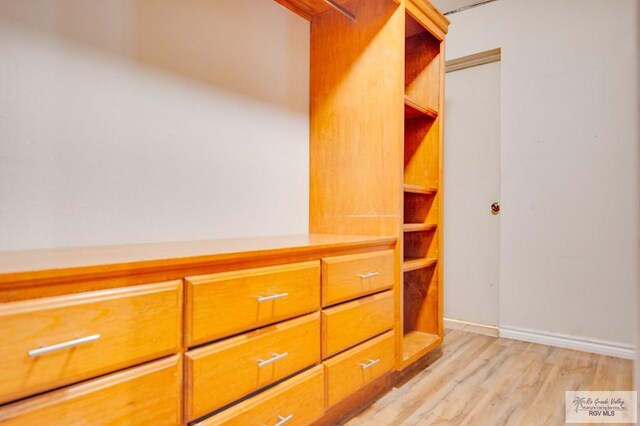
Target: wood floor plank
[
  {"x": 482, "y": 380},
  {"x": 499, "y": 400},
  {"x": 529, "y": 384},
  {"x": 550, "y": 397},
  {"x": 469, "y": 379},
  {"x": 435, "y": 379}
]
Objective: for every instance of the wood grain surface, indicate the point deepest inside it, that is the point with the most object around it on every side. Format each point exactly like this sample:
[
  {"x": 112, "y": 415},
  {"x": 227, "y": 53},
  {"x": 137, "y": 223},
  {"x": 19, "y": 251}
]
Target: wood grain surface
[
  {"x": 220, "y": 373},
  {"x": 148, "y": 394},
  {"x": 134, "y": 324},
  {"x": 474, "y": 379},
  {"x": 219, "y": 305}
]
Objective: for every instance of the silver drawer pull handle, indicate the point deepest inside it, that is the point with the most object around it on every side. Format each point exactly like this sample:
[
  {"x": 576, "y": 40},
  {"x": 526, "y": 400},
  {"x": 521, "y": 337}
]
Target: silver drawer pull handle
[
  {"x": 370, "y": 364},
  {"x": 282, "y": 420},
  {"x": 274, "y": 358},
  {"x": 272, "y": 297},
  {"x": 64, "y": 345},
  {"x": 369, "y": 275}
]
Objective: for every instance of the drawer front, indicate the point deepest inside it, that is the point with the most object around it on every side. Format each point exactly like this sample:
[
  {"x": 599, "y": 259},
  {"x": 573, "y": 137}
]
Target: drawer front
[
  {"x": 149, "y": 394},
  {"x": 298, "y": 401},
  {"x": 347, "y": 277},
  {"x": 352, "y": 370},
  {"x": 223, "y": 372},
  {"x": 220, "y": 305},
  {"x": 350, "y": 323},
  {"x": 55, "y": 341}
]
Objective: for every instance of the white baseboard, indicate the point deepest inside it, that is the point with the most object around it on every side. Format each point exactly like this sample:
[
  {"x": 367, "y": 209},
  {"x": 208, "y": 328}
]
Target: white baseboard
[
  {"x": 471, "y": 327},
  {"x": 569, "y": 342}
]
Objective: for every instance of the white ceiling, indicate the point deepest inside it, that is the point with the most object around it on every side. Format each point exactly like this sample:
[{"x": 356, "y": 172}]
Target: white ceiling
[{"x": 445, "y": 6}]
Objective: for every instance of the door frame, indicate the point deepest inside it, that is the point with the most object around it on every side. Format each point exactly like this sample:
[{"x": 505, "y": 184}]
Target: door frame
[
  {"x": 481, "y": 58},
  {"x": 452, "y": 65}
]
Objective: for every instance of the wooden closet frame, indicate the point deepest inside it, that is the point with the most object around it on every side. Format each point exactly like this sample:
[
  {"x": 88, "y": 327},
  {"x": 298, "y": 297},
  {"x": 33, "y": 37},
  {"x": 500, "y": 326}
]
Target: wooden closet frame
[
  {"x": 358, "y": 107},
  {"x": 376, "y": 124}
]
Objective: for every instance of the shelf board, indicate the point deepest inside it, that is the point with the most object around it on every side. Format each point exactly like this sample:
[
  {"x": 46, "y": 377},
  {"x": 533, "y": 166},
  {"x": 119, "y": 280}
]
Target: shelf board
[
  {"x": 416, "y": 344},
  {"x": 414, "y": 263},
  {"x": 414, "y": 110},
  {"x": 419, "y": 227},
  {"x": 420, "y": 189}
]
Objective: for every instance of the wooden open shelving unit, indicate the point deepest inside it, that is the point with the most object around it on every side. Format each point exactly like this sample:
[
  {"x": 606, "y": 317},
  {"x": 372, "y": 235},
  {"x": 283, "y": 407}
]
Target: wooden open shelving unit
[
  {"x": 376, "y": 111},
  {"x": 422, "y": 241}
]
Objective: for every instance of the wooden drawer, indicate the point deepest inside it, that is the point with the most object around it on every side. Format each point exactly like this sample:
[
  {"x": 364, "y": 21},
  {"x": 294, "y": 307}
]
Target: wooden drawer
[
  {"x": 350, "y": 371},
  {"x": 223, "y": 304},
  {"x": 223, "y": 372},
  {"x": 299, "y": 399},
  {"x": 148, "y": 394},
  {"x": 350, "y": 323},
  {"x": 119, "y": 327},
  {"x": 347, "y": 277}
]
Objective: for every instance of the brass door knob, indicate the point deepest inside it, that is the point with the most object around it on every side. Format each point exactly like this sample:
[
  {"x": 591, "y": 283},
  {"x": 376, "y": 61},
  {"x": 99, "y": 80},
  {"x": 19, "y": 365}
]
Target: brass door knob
[{"x": 495, "y": 208}]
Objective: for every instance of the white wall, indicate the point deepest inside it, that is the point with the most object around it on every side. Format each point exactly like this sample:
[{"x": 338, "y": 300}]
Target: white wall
[
  {"x": 569, "y": 228},
  {"x": 136, "y": 121}
]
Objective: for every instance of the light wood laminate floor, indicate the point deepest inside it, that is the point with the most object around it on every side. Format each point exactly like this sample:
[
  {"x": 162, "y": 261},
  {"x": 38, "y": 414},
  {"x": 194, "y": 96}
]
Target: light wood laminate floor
[{"x": 481, "y": 380}]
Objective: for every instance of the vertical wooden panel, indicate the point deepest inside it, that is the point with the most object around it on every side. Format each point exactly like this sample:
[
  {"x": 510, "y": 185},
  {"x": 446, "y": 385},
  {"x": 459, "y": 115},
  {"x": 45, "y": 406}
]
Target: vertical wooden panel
[
  {"x": 356, "y": 120},
  {"x": 356, "y": 125},
  {"x": 440, "y": 196}
]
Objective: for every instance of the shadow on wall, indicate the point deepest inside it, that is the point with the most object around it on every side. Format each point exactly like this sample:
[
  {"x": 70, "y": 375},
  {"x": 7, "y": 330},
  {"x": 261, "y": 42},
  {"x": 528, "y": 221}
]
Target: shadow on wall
[{"x": 199, "y": 40}]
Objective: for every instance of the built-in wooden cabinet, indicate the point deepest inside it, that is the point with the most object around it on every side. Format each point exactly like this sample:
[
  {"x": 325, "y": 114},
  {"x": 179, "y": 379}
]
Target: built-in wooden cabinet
[
  {"x": 376, "y": 146},
  {"x": 296, "y": 329},
  {"x": 236, "y": 333}
]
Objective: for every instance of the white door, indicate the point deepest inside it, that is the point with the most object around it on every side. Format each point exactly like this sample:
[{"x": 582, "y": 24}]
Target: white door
[{"x": 471, "y": 185}]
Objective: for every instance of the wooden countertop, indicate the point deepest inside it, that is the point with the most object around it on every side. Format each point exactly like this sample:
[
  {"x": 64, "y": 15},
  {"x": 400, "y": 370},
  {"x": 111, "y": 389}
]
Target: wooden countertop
[{"x": 61, "y": 263}]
